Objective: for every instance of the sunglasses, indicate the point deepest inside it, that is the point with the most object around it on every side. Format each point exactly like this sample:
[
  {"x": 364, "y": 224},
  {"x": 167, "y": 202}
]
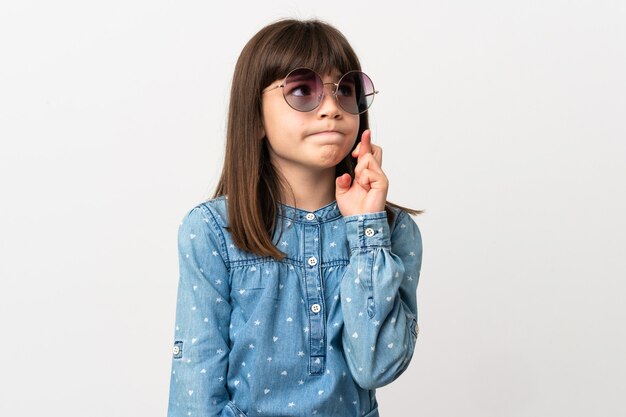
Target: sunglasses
[{"x": 303, "y": 90}]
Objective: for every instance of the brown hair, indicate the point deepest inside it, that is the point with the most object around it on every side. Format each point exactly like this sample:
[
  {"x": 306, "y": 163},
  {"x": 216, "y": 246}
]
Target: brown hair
[{"x": 250, "y": 181}]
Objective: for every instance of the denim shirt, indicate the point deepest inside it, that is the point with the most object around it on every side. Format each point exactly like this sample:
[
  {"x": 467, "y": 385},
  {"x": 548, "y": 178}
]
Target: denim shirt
[{"x": 312, "y": 335}]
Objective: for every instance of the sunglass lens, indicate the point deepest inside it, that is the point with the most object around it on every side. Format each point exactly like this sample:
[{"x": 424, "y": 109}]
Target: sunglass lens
[
  {"x": 303, "y": 89},
  {"x": 355, "y": 92}
]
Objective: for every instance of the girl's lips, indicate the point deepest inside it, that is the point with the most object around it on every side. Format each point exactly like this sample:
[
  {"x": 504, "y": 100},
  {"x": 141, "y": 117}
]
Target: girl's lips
[
  {"x": 327, "y": 132},
  {"x": 328, "y": 137}
]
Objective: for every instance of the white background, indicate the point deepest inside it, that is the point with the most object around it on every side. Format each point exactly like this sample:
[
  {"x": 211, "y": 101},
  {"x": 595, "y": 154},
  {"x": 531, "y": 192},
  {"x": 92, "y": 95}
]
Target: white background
[{"x": 504, "y": 120}]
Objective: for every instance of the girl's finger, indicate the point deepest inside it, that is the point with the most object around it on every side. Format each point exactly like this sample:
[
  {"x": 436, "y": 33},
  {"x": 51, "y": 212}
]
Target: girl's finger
[
  {"x": 375, "y": 150},
  {"x": 364, "y": 145},
  {"x": 372, "y": 179},
  {"x": 366, "y": 142},
  {"x": 368, "y": 161},
  {"x": 364, "y": 180}
]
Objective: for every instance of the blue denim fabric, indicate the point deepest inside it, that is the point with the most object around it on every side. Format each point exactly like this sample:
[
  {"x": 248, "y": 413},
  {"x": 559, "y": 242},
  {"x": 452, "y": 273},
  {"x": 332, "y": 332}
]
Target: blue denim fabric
[{"x": 314, "y": 334}]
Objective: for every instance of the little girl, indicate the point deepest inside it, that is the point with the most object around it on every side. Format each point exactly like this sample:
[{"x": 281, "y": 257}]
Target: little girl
[{"x": 297, "y": 291}]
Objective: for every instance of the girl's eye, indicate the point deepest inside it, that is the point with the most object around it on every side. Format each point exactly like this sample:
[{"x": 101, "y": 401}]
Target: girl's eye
[
  {"x": 299, "y": 90},
  {"x": 346, "y": 90}
]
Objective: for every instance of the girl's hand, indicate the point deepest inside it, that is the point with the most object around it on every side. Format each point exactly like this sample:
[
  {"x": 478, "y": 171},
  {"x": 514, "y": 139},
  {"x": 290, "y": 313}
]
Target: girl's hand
[{"x": 368, "y": 191}]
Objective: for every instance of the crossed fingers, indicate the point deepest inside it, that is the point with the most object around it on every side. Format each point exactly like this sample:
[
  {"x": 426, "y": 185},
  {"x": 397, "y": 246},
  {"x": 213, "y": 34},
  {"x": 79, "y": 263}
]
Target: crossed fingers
[{"x": 368, "y": 172}]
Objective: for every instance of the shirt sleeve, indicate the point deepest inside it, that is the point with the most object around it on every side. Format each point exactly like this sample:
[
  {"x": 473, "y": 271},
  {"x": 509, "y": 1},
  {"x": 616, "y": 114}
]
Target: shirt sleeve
[
  {"x": 201, "y": 339},
  {"x": 379, "y": 297}
]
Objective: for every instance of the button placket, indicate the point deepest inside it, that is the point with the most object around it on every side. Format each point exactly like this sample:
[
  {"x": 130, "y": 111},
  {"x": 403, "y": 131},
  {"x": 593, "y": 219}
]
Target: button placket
[{"x": 314, "y": 295}]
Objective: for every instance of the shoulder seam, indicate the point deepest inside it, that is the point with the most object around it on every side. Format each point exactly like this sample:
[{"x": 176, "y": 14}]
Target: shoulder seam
[{"x": 219, "y": 233}]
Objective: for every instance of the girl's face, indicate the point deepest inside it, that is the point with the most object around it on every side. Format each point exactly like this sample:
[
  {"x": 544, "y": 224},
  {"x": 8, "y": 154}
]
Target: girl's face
[{"x": 314, "y": 140}]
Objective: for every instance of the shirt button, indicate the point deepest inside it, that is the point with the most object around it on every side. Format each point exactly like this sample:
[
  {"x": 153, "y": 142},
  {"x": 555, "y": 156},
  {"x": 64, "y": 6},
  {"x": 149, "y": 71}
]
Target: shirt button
[
  {"x": 176, "y": 350},
  {"x": 310, "y": 216},
  {"x": 312, "y": 261},
  {"x": 369, "y": 232},
  {"x": 316, "y": 308}
]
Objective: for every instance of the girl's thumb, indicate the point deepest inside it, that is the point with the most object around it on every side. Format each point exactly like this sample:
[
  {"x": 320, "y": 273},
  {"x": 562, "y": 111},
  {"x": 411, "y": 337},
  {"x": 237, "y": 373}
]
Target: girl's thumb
[{"x": 342, "y": 184}]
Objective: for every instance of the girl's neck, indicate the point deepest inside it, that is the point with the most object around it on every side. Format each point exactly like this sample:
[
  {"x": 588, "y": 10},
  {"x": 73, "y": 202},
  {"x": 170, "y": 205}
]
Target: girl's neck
[{"x": 310, "y": 192}]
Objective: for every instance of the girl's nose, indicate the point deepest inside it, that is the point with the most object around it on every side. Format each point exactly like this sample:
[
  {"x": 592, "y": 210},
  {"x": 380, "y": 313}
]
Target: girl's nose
[{"x": 329, "y": 106}]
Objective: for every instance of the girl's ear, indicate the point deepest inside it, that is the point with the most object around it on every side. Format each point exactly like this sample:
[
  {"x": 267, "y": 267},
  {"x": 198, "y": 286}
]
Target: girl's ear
[{"x": 262, "y": 129}]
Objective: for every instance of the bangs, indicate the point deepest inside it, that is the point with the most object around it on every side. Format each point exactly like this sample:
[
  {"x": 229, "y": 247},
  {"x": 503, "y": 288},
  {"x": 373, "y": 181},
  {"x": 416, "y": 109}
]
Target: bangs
[{"x": 310, "y": 44}]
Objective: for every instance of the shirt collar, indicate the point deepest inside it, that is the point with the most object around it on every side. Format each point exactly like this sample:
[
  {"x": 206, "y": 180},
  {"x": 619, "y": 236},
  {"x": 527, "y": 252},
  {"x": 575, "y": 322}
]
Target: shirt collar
[{"x": 323, "y": 214}]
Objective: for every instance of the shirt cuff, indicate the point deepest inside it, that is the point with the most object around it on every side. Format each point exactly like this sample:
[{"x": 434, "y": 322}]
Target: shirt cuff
[{"x": 367, "y": 230}]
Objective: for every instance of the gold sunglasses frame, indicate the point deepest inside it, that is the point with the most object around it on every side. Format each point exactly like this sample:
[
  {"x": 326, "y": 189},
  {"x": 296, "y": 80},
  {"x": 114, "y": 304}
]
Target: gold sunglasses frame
[{"x": 334, "y": 93}]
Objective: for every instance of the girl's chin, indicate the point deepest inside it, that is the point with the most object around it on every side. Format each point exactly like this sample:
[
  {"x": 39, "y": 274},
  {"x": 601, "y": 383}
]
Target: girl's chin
[{"x": 331, "y": 157}]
